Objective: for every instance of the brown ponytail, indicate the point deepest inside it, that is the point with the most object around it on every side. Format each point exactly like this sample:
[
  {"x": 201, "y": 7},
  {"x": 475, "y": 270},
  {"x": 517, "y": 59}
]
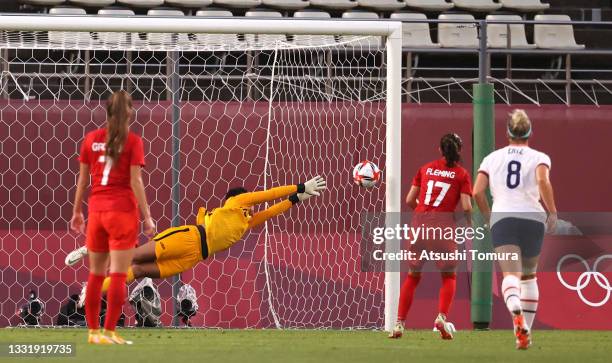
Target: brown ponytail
[
  {"x": 118, "y": 112},
  {"x": 450, "y": 145}
]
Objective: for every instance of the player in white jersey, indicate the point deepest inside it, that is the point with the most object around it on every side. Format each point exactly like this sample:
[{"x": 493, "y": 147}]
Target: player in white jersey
[{"x": 518, "y": 177}]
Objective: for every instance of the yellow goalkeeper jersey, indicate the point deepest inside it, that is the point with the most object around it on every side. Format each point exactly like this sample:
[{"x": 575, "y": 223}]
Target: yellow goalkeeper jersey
[{"x": 226, "y": 225}]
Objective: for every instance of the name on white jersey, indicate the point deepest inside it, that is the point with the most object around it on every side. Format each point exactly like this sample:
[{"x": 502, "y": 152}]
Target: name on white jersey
[
  {"x": 512, "y": 151},
  {"x": 442, "y": 173},
  {"x": 98, "y": 146}
]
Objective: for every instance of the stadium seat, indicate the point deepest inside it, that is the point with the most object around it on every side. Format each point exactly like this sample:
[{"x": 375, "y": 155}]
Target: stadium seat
[
  {"x": 93, "y": 3},
  {"x": 67, "y": 11},
  {"x": 553, "y": 36},
  {"x": 497, "y": 34},
  {"x": 189, "y": 3},
  {"x": 217, "y": 40},
  {"x": 477, "y": 5},
  {"x": 335, "y": 4},
  {"x": 238, "y": 3},
  {"x": 166, "y": 38},
  {"x": 64, "y": 38},
  {"x": 363, "y": 15},
  {"x": 313, "y": 39},
  {"x": 525, "y": 5},
  {"x": 429, "y": 5},
  {"x": 165, "y": 12},
  {"x": 142, "y": 3},
  {"x": 287, "y": 4},
  {"x": 457, "y": 35},
  {"x": 383, "y": 5},
  {"x": 266, "y": 39},
  {"x": 111, "y": 38},
  {"x": 44, "y": 2},
  {"x": 415, "y": 35},
  {"x": 359, "y": 15},
  {"x": 116, "y": 11}
]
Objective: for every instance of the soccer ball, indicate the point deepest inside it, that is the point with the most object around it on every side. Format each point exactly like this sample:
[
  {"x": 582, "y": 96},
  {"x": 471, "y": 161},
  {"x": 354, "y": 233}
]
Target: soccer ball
[{"x": 366, "y": 174}]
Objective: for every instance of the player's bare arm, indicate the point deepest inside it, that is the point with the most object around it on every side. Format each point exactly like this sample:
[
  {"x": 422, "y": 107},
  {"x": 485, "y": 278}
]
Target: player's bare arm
[
  {"x": 547, "y": 195},
  {"x": 466, "y": 206},
  {"x": 77, "y": 222},
  {"x": 411, "y": 197},
  {"x": 139, "y": 192},
  {"x": 480, "y": 196}
]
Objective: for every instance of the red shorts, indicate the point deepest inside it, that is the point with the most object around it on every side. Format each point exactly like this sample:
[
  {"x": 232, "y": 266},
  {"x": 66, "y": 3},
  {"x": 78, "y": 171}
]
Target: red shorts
[{"x": 112, "y": 230}]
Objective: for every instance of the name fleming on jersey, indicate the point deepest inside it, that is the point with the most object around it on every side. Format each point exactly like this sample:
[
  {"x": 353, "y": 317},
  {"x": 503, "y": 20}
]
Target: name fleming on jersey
[{"x": 441, "y": 173}]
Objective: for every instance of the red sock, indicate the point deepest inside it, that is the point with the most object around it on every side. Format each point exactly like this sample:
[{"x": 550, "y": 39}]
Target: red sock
[
  {"x": 407, "y": 295},
  {"x": 447, "y": 292},
  {"x": 93, "y": 300},
  {"x": 115, "y": 298}
]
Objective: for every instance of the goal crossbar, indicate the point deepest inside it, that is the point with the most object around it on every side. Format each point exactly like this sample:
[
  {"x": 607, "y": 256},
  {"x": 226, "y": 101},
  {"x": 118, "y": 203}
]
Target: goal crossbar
[{"x": 167, "y": 24}]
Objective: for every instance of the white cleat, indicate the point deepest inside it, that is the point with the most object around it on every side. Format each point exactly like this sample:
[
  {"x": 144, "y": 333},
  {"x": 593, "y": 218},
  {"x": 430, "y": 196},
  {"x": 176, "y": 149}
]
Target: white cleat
[
  {"x": 75, "y": 256},
  {"x": 445, "y": 328},
  {"x": 82, "y": 295}
]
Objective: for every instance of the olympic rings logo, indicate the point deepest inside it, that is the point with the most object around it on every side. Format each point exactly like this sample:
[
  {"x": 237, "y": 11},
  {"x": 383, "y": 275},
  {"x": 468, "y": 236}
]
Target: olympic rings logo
[{"x": 585, "y": 278}]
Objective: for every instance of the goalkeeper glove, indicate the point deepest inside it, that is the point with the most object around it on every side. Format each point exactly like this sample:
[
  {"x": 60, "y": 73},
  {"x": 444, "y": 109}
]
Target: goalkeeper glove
[{"x": 312, "y": 187}]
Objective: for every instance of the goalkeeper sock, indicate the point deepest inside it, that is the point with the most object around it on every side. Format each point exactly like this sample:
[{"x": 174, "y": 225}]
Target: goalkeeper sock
[
  {"x": 511, "y": 291},
  {"x": 115, "y": 298},
  {"x": 529, "y": 299},
  {"x": 129, "y": 278},
  {"x": 93, "y": 300},
  {"x": 407, "y": 295},
  {"x": 447, "y": 293}
]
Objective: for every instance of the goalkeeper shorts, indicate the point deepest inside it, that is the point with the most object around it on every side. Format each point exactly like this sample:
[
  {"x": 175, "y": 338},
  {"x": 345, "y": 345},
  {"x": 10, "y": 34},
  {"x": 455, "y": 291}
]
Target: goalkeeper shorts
[
  {"x": 178, "y": 249},
  {"x": 112, "y": 230}
]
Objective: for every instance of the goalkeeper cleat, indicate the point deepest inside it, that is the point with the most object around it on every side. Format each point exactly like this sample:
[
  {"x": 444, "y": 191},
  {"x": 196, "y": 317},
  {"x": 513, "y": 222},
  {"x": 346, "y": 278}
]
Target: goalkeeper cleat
[
  {"x": 444, "y": 327},
  {"x": 115, "y": 338},
  {"x": 76, "y": 256},
  {"x": 398, "y": 331},
  {"x": 523, "y": 337},
  {"x": 95, "y": 337}
]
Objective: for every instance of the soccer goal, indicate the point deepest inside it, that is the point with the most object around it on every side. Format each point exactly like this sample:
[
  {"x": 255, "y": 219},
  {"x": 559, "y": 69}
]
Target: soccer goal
[{"x": 219, "y": 103}]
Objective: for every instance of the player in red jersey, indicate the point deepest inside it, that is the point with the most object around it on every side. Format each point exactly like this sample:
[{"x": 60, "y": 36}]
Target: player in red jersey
[
  {"x": 113, "y": 156},
  {"x": 440, "y": 186}
]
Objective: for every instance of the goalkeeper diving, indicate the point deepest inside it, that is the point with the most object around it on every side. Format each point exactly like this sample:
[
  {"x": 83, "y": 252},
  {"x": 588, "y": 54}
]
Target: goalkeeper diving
[{"x": 178, "y": 249}]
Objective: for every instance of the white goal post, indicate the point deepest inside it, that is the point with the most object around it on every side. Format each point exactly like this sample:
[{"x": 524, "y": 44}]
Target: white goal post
[{"x": 391, "y": 31}]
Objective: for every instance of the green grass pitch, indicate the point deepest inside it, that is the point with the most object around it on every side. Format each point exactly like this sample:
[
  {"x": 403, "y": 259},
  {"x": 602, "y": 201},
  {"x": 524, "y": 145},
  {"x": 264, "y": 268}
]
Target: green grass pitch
[{"x": 199, "y": 345}]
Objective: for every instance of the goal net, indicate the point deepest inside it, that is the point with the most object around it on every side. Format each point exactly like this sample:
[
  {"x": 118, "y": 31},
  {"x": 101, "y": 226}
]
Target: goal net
[{"x": 215, "y": 111}]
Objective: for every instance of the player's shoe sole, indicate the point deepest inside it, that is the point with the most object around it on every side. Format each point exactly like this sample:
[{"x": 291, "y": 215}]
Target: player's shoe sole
[
  {"x": 443, "y": 329},
  {"x": 75, "y": 256},
  {"x": 523, "y": 338}
]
